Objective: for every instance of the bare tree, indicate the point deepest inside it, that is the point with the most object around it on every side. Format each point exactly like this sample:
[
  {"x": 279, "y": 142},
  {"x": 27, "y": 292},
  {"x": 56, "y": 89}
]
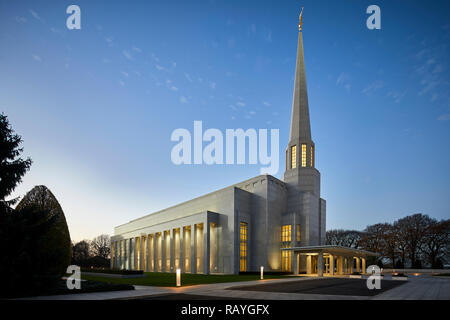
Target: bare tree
[
  {"x": 411, "y": 231},
  {"x": 390, "y": 242},
  {"x": 101, "y": 246},
  {"x": 435, "y": 242},
  {"x": 345, "y": 238},
  {"x": 373, "y": 238}
]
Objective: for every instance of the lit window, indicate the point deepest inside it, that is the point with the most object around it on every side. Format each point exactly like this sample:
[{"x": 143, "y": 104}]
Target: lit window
[
  {"x": 243, "y": 246},
  {"x": 294, "y": 157},
  {"x": 286, "y": 233},
  {"x": 286, "y": 261},
  {"x": 312, "y": 156},
  {"x": 298, "y": 232},
  {"x": 303, "y": 155}
]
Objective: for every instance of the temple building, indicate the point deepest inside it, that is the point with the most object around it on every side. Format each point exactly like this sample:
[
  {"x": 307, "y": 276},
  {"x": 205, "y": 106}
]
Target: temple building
[{"x": 261, "y": 222}]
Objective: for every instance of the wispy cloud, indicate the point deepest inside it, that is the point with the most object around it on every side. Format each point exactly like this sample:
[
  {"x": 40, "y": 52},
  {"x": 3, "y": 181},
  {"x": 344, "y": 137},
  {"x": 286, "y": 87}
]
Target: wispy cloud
[
  {"x": 430, "y": 67},
  {"x": 36, "y": 57},
  {"x": 188, "y": 77},
  {"x": 57, "y": 31},
  {"x": 373, "y": 87},
  {"x": 35, "y": 15},
  {"x": 267, "y": 104},
  {"x": 110, "y": 41},
  {"x": 240, "y": 104},
  {"x": 183, "y": 99},
  {"x": 127, "y": 55},
  {"x": 343, "y": 80},
  {"x": 397, "y": 96},
  {"x": 154, "y": 57},
  {"x": 21, "y": 20}
]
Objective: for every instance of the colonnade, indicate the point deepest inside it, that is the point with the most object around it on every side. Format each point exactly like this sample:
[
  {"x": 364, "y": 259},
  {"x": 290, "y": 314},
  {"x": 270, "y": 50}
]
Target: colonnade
[
  {"x": 187, "y": 248},
  {"x": 321, "y": 263}
]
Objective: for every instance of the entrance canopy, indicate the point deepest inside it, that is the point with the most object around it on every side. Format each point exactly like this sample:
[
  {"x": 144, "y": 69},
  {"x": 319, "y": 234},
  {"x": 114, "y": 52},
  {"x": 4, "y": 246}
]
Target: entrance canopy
[
  {"x": 335, "y": 250},
  {"x": 328, "y": 259}
]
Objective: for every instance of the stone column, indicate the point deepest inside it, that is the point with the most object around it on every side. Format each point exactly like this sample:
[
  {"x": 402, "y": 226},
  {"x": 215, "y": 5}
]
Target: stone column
[
  {"x": 331, "y": 265},
  {"x": 181, "y": 256},
  {"x": 320, "y": 264},
  {"x": 206, "y": 246},
  {"x": 193, "y": 249},
  {"x": 363, "y": 265},
  {"x": 357, "y": 265},
  {"x": 155, "y": 253},
  {"x": 147, "y": 254},
  {"x": 350, "y": 265},
  {"x": 341, "y": 265},
  {"x": 172, "y": 250},
  {"x": 308, "y": 264},
  {"x": 163, "y": 251},
  {"x": 129, "y": 254},
  {"x": 295, "y": 263}
]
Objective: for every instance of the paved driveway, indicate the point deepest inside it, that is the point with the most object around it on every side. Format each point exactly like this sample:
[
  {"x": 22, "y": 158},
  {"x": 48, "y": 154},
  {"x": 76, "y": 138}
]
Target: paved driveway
[{"x": 330, "y": 286}]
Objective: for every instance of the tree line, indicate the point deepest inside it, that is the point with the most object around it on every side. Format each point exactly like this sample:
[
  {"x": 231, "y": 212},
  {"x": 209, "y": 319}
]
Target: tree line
[
  {"x": 415, "y": 241},
  {"x": 92, "y": 253}
]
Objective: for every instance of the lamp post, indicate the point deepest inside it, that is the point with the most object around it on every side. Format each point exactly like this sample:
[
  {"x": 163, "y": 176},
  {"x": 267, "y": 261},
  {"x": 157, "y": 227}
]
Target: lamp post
[
  {"x": 262, "y": 272},
  {"x": 178, "y": 277}
]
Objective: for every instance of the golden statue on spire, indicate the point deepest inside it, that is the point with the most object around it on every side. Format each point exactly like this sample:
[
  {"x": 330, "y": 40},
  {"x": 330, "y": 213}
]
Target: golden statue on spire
[{"x": 300, "y": 18}]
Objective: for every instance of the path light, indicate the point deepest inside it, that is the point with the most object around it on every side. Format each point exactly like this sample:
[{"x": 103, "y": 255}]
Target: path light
[
  {"x": 262, "y": 272},
  {"x": 178, "y": 277}
]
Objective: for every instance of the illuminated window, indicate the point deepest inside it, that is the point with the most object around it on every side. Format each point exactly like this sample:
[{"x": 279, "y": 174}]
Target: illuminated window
[
  {"x": 286, "y": 233},
  {"x": 312, "y": 156},
  {"x": 294, "y": 157},
  {"x": 243, "y": 254},
  {"x": 298, "y": 232},
  {"x": 286, "y": 261},
  {"x": 303, "y": 155}
]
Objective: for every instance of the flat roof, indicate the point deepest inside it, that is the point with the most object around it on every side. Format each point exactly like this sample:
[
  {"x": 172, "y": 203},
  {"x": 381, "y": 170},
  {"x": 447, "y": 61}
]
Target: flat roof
[{"x": 331, "y": 249}]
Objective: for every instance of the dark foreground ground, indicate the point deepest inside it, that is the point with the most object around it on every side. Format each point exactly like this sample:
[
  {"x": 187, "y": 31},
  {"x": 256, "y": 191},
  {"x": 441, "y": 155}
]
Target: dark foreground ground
[
  {"x": 184, "y": 296},
  {"x": 346, "y": 287}
]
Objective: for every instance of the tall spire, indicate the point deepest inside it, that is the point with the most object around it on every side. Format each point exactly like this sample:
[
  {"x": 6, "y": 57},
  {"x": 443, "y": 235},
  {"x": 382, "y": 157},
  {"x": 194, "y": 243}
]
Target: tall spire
[{"x": 300, "y": 124}]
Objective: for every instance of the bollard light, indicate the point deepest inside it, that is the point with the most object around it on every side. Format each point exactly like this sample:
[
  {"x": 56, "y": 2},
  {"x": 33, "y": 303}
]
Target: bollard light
[
  {"x": 178, "y": 277},
  {"x": 262, "y": 272}
]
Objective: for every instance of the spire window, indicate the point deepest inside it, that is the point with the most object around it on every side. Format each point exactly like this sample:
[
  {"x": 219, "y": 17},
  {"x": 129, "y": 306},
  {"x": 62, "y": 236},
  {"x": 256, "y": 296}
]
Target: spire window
[
  {"x": 294, "y": 157},
  {"x": 303, "y": 155},
  {"x": 312, "y": 156}
]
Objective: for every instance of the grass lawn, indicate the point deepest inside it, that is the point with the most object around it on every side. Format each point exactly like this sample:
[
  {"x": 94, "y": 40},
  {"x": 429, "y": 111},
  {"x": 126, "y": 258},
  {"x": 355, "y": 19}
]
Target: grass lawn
[{"x": 187, "y": 279}]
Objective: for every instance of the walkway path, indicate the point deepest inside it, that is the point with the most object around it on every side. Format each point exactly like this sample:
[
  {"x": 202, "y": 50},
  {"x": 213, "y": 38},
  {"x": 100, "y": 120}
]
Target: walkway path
[{"x": 421, "y": 287}]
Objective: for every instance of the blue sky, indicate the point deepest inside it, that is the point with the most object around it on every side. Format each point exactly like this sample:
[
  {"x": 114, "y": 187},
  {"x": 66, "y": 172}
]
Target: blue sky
[{"x": 96, "y": 106}]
